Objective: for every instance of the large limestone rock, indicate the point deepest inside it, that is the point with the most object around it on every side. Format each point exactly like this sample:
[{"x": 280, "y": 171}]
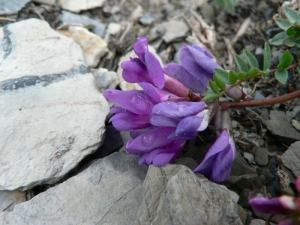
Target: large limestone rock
[
  {"x": 108, "y": 192},
  {"x": 175, "y": 195},
  {"x": 74, "y": 5},
  {"x": 8, "y": 199},
  {"x": 52, "y": 115},
  {"x": 11, "y": 6}
]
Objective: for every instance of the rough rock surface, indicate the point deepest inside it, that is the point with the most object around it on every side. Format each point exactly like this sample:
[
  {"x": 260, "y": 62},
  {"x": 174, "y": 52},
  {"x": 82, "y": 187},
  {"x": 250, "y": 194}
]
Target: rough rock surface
[
  {"x": 175, "y": 195},
  {"x": 49, "y": 104},
  {"x": 8, "y": 199},
  {"x": 280, "y": 126},
  {"x": 93, "y": 47},
  {"x": 291, "y": 158},
  {"x": 175, "y": 30},
  {"x": 74, "y": 5},
  {"x": 11, "y": 6},
  {"x": 108, "y": 192}
]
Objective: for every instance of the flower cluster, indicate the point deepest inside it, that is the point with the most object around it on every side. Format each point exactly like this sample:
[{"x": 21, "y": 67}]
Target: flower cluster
[
  {"x": 169, "y": 111},
  {"x": 283, "y": 205}
]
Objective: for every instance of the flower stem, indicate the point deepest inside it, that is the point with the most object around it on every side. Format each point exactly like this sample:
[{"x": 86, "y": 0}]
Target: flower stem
[{"x": 261, "y": 102}]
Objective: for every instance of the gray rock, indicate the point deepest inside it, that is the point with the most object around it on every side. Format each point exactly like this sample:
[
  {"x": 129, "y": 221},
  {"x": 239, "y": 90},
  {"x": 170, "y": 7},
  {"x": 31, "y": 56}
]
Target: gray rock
[
  {"x": 147, "y": 19},
  {"x": 108, "y": 192},
  {"x": 11, "y": 6},
  {"x": 72, "y": 18},
  {"x": 175, "y": 30},
  {"x": 261, "y": 156},
  {"x": 52, "y": 114},
  {"x": 8, "y": 199},
  {"x": 175, "y": 195},
  {"x": 242, "y": 214},
  {"x": 280, "y": 126},
  {"x": 258, "y": 222},
  {"x": 105, "y": 79},
  {"x": 291, "y": 158}
]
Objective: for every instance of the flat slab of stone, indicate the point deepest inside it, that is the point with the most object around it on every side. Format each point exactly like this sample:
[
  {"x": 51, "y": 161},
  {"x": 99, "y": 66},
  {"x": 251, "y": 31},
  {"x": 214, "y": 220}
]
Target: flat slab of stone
[
  {"x": 173, "y": 194},
  {"x": 108, "y": 192},
  {"x": 280, "y": 125},
  {"x": 175, "y": 30},
  {"x": 291, "y": 158},
  {"x": 52, "y": 115}
]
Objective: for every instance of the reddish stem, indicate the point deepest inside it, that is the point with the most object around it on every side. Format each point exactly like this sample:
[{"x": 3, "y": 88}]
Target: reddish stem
[{"x": 261, "y": 102}]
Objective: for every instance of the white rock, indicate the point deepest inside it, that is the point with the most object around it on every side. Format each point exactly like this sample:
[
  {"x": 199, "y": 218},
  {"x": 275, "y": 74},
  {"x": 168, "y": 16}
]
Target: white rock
[
  {"x": 108, "y": 192},
  {"x": 113, "y": 28},
  {"x": 93, "y": 46},
  {"x": 52, "y": 115},
  {"x": 74, "y": 5},
  {"x": 8, "y": 199}
]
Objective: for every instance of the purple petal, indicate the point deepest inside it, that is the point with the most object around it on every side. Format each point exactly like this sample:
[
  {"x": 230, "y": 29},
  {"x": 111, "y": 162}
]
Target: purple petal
[
  {"x": 178, "y": 109},
  {"x": 150, "y": 140},
  {"x": 128, "y": 121},
  {"x": 163, "y": 121},
  {"x": 288, "y": 221},
  {"x": 140, "y": 48},
  {"x": 135, "y": 101},
  {"x": 155, "y": 71},
  {"x": 203, "y": 59},
  {"x": 190, "y": 81},
  {"x": 265, "y": 205},
  {"x": 117, "y": 110},
  {"x": 203, "y": 50},
  {"x": 135, "y": 133},
  {"x": 189, "y": 126},
  {"x": 156, "y": 94},
  {"x": 134, "y": 71},
  {"x": 208, "y": 166},
  {"x": 162, "y": 156}
]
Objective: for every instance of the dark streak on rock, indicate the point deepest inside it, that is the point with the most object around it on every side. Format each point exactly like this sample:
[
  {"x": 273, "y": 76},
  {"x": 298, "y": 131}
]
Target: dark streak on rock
[
  {"x": 26, "y": 81},
  {"x": 6, "y": 42}
]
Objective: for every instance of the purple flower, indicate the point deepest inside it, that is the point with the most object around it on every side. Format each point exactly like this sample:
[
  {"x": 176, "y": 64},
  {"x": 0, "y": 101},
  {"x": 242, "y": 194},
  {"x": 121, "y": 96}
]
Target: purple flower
[
  {"x": 197, "y": 67},
  {"x": 146, "y": 68},
  {"x": 187, "y": 117},
  {"x": 283, "y": 205},
  {"x": 218, "y": 161}
]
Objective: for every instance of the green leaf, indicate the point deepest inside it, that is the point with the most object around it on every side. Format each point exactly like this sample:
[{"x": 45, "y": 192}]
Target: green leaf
[
  {"x": 253, "y": 72},
  {"x": 251, "y": 59},
  {"x": 267, "y": 56},
  {"x": 209, "y": 97},
  {"x": 223, "y": 74},
  {"x": 232, "y": 77},
  {"x": 219, "y": 82},
  {"x": 290, "y": 32},
  {"x": 289, "y": 41},
  {"x": 242, "y": 65},
  {"x": 241, "y": 76},
  {"x": 281, "y": 75},
  {"x": 214, "y": 87},
  {"x": 286, "y": 60},
  {"x": 292, "y": 15},
  {"x": 265, "y": 72},
  {"x": 278, "y": 39},
  {"x": 283, "y": 23}
]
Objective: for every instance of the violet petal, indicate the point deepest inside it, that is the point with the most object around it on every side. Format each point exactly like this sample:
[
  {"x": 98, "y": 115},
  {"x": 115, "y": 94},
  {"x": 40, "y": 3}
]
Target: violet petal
[
  {"x": 155, "y": 71},
  {"x": 140, "y": 48},
  {"x": 134, "y": 71},
  {"x": 189, "y": 80},
  {"x": 150, "y": 140},
  {"x": 135, "y": 101},
  {"x": 265, "y": 205},
  {"x": 128, "y": 121}
]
